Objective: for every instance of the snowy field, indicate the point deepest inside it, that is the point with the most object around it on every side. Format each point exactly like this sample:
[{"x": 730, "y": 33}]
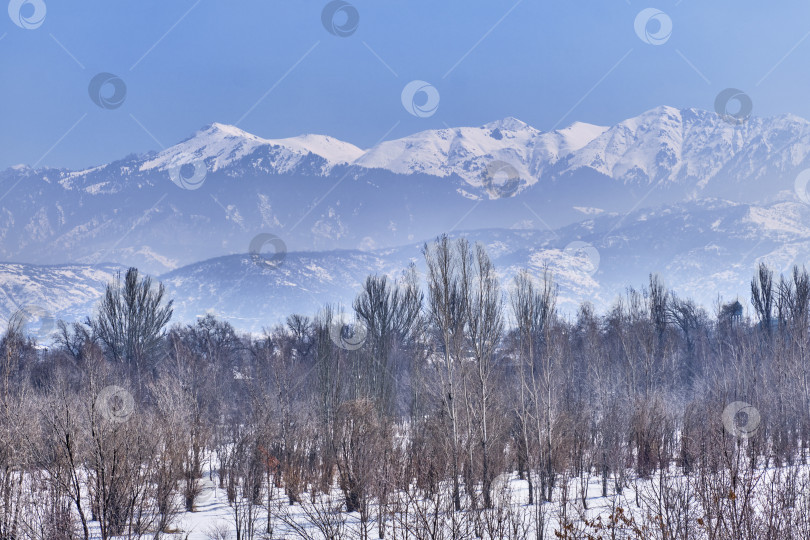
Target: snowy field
[{"x": 641, "y": 510}]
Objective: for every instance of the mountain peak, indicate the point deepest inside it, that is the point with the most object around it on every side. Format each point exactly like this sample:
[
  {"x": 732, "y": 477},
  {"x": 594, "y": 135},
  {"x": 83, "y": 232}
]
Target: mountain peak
[
  {"x": 510, "y": 123},
  {"x": 580, "y": 134},
  {"x": 655, "y": 114},
  {"x": 225, "y": 130},
  {"x": 221, "y": 144},
  {"x": 667, "y": 109},
  {"x": 583, "y": 127}
]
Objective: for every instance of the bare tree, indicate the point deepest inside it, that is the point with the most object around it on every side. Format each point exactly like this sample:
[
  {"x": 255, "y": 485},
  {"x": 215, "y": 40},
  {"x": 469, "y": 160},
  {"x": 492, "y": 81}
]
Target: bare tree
[
  {"x": 484, "y": 328},
  {"x": 131, "y": 321},
  {"x": 533, "y": 311},
  {"x": 762, "y": 296},
  {"x": 389, "y": 312},
  {"x": 360, "y": 443},
  {"x": 446, "y": 313},
  {"x": 65, "y": 443}
]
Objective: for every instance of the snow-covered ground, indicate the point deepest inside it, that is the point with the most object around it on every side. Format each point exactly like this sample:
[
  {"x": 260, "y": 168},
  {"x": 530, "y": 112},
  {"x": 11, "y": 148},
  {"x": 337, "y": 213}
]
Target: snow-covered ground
[{"x": 622, "y": 514}]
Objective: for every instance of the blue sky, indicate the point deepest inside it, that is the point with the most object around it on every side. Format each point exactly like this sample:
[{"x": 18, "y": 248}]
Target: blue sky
[{"x": 187, "y": 63}]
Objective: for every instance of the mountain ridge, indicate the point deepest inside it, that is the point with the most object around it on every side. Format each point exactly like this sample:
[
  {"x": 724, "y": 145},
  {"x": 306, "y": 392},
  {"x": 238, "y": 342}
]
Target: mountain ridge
[
  {"x": 212, "y": 193},
  {"x": 661, "y": 143},
  {"x": 701, "y": 249}
]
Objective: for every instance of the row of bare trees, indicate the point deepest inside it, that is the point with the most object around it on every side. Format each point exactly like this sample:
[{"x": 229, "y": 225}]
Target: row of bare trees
[{"x": 448, "y": 406}]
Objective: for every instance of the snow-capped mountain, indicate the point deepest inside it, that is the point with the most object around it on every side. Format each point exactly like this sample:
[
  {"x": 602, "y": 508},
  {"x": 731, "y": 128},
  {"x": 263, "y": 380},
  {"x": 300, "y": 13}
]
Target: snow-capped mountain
[
  {"x": 694, "y": 147},
  {"x": 220, "y": 145},
  {"x": 211, "y": 194},
  {"x": 467, "y": 152},
  {"x": 661, "y": 144}
]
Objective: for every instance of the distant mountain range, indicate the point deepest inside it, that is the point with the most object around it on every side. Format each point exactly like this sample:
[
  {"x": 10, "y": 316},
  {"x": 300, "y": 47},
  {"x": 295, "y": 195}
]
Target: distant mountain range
[
  {"x": 680, "y": 192},
  {"x": 706, "y": 250}
]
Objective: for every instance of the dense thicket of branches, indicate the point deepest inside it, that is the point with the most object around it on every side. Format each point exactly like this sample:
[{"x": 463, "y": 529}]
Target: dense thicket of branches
[{"x": 414, "y": 428}]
